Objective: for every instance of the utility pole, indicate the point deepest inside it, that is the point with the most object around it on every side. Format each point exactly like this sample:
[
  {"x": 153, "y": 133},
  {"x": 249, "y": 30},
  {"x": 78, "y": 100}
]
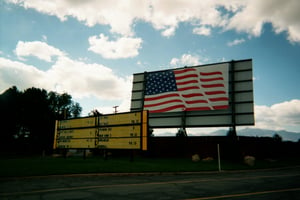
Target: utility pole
[{"x": 115, "y": 107}]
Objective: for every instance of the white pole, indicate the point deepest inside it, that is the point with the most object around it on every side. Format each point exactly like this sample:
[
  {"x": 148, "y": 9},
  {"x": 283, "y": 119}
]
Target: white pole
[{"x": 219, "y": 160}]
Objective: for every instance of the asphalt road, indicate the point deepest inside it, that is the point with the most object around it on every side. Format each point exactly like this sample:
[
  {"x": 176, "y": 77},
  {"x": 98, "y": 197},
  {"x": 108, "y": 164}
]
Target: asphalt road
[{"x": 261, "y": 184}]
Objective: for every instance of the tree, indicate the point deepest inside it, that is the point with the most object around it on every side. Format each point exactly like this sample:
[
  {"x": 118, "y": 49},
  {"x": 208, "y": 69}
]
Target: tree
[
  {"x": 277, "y": 138},
  {"x": 231, "y": 132},
  {"x": 10, "y": 122},
  {"x": 95, "y": 112},
  {"x": 181, "y": 133},
  {"x": 75, "y": 109},
  {"x": 36, "y": 117},
  {"x": 62, "y": 105},
  {"x": 29, "y": 117}
]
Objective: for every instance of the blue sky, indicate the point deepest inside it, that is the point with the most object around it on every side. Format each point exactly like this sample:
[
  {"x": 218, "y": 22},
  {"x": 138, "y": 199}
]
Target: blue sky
[{"x": 90, "y": 49}]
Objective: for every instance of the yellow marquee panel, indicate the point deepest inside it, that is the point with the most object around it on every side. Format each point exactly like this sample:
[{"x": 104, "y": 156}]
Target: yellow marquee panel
[
  {"x": 120, "y": 143},
  {"x": 120, "y": 119},
  {"x": 77, "y": 123}
]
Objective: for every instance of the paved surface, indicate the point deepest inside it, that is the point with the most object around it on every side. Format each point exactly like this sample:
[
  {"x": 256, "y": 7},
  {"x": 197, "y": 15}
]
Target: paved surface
[{"x": 261, "y": 184}]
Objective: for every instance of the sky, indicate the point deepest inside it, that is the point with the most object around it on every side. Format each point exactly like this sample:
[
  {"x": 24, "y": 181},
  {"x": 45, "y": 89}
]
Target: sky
[{"x": 91, "y": 49}]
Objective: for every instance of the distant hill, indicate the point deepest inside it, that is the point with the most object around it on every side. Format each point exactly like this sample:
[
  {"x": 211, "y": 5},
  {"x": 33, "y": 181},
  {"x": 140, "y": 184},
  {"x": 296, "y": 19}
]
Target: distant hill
[
  {"x": 255, "y": 132},
  {"x": 252, "y": 132}
]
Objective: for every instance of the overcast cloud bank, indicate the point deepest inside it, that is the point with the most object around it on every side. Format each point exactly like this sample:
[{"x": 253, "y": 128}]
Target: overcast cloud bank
[{"x": 243, "y": 16}]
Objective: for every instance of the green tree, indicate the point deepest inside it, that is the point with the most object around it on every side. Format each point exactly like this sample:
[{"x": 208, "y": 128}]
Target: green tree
[
  {"x": 277, "y": 138},
  {"x": 36, "y": 117},
  {"x": 29, "y": 117},
  {"x": 75, "y": 109},
  {"x": 62, "y": 105},
  {"x": 181, "y": 133},
  {"x": 10, "y": 122}
]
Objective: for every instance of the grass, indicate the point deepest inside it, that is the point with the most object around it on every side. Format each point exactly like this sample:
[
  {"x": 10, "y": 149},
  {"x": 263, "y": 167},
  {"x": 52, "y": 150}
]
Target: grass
[{"x": 35, "y": 166}]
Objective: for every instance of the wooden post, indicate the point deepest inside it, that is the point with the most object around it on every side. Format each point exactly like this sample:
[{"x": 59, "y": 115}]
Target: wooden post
[
  {"x": 219, "y": 158},
  {"x": 84, "y": 154}
]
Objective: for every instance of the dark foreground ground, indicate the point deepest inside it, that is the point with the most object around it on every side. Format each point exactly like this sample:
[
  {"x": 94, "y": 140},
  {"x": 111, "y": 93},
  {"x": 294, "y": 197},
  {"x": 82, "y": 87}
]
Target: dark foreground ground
[{"x": 280, "y": 183}]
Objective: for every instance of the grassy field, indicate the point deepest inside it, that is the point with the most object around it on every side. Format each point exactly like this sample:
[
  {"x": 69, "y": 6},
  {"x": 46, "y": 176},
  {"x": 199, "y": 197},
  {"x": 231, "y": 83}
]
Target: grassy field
[{"x": 35, "y": 166}]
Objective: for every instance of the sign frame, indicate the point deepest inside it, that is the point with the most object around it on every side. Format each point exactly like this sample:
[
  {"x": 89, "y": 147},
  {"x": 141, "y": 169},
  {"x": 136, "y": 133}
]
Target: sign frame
[
  {"x": 129, "y": 128},
  {"x": 239, "y": 113}
]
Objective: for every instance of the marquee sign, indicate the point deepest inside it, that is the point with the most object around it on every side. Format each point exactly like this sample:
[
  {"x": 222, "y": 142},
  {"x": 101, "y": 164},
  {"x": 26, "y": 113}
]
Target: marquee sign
[
  {"x": 211, "y": 95},
  {"x": 114, "y": 131}
]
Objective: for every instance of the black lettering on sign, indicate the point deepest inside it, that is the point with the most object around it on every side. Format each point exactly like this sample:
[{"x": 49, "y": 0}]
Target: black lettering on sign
[
  {"x": 104, "y": 137},
  {"x": 132, "y": 142},
  {"x": 133, "y": 134},
  {"x": 65, "y": 140},
  {"x": 104, "y": 129},
  {"x": 65, "y": 137}
]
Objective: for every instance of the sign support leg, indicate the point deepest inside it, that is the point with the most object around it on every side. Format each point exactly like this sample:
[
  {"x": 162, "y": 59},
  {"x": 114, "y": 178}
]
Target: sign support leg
[
  {"x": 183, "y": 123},
  {"x": 219, "y": 158},
  {"x": 131, "y": 155},
  {"x": 84, "y": 154},
  {"x": 233, "y": 117},
  {"x": 105, "y": 154}
]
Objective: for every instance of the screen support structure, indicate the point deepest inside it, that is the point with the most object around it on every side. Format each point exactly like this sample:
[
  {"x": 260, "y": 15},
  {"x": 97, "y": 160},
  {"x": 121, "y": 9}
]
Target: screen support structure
[
  {"x": 233, "y": 117},
  {"x": 183, "y": 124},
  {"x": 144, "y": 86}
]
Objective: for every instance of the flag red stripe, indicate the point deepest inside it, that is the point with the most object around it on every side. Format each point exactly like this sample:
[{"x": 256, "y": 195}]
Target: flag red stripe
[
  {"x": 186, "y": 76},
  {"x": 162, "y": 103},
  {"x": 184, "y": 70},
  {"x": 196, "y": 101},
  {"x": 188, "y": 88},
  {"x": 210, "y": 73},
  {"x": 192, "y": 95},
  {"x": 161, "y": 97},
  {"x": 221, "y": 107},
  {"x": 213, "y": 85},
  {"x": 187, "y": 82},
  {"x": 211, "y": 79},
  {"x": 218, "y": 99}
]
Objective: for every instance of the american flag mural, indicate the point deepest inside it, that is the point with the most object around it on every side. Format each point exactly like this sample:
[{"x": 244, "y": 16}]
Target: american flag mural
[{"x": 187, "y": 89}]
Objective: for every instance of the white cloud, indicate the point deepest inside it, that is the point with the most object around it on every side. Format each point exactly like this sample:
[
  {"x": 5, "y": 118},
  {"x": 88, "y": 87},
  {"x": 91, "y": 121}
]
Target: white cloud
[
  {"x": 44, "y": 38},
  {"x": 118, "y": 14},
  {"x": 78, "y": 78},
  {"x": 83, "y": 79},
  {"x": 185, "y": 60},
  {"x": 38, "y": 49},
  {"x": 283, "y": 15},
  {"x": 170, "y": 13},
  {"x": 285, "y": 115},
  {"x": 168, "y": 32},
  {"x": 17, "y": 73},
  {"x": 244, "y": 16},
  {"x": 123, "y": 103},
  {"x": 202, "y": 31},
  {"x": 121, "y": 15},
  {"x": 124, "y": 47},
  {"x": 236, "y": 42}
]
